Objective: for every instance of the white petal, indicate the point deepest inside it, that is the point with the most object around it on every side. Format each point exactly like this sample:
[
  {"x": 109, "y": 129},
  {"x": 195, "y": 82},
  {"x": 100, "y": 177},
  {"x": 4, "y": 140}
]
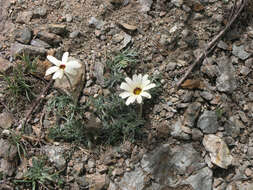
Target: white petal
[
  {"x": 145, "y": 77},
  {"x": 139, "y": 99},
  {"x": 58, "y": 74},
  {"x": 73, "y": 64},
  {"x": 145, "y": 94},
  {"x": 135, "y": 77},
  {"x": 130, "y": 100},
  {"x": 152, "y": 85},
  {"x": 145, "y": 83},
  {"x": 125, "y": 86},
  {"x": 129, "y": 81},
  {"x": 70, "y": 71},
  {"x": 65, "y": 58},
  {"x": 125, "y": 94},
  {"x": 51, "y": 70},
  {"x": 54, "y": 60}
]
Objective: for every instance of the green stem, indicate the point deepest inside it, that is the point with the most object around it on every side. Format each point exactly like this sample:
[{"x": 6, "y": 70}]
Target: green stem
[
  {"x": 140, "y": 111},
  {"x": 68, "y": 79}
]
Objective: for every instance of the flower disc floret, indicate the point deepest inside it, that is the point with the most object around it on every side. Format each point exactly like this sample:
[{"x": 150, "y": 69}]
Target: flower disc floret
[
  {"x": 63, "y": 66},
  {"x": 136, "y": 88}
]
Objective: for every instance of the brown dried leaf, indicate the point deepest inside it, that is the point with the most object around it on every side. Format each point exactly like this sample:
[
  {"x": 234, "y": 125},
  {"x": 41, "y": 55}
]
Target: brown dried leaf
[{"x": 193, "y": 84}]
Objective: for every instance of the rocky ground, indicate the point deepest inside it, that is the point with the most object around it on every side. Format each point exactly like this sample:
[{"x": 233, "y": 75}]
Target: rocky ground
[{"x": 194, "y": 137}]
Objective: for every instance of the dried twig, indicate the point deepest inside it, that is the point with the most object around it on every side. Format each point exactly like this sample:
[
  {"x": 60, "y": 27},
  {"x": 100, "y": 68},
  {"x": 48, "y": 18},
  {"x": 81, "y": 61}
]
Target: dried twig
[
  {"x": 211, "y": 45},
  {"x": 36, "y": 103}
]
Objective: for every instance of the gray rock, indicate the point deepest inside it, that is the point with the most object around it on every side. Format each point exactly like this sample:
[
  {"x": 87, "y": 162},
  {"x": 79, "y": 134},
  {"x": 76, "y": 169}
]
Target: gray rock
[
  {"x": 97, "y": 181},
  {"x": 40, "y": 43},
  {"x": 24, "y": 35},
  {"x": 50, "y": 38},
  {"x": 223, "y": 45},
  {"x": 24, "y": 17},
  {"x": 239, "y": 52},
  {"x": 91, "y": 163},
  {"x": 39, "y": 12},
  {"x": 165, "y": 164},
  {"x": 145, "y": 5},
  {"x": 99, "y": 73},
  {"x": 171, "y": 66},
  {"x": 127, "y": 40},
  {"x": 196, "y": 134},
  {"x": 206, "y": 95},
  {"x": 5, "y": 65},
  {"x": 177, "y": 3},
  {"x": 93, "y": 22},
  {"x": 226, "y": 82},
  {"x": 202, "y": 180},
  {"x": 133, "y": 180},
  {"x": 7, "y": 167},
  {"x": 231, "y": 128},
  {"x": 8, "y": 151},
  {"x": 208, "y": 122},
  {"x": 6, "y": 120},
  {"x": 68, "y": 17},
  {"x": 218, "y": 151},
  {"x": 209, "y": 68},
  {"x": 74, "y": 34},
  {"x": 55, "y": 155},
  {"x": 245, "y": 70},
  {"x": 59, "y": 29},
  {"x": 117, "y": 38},
  {"x": 191, "y": 114},
  {"x": 177, "y": 131},
  {"x": 19, "y": 49}
]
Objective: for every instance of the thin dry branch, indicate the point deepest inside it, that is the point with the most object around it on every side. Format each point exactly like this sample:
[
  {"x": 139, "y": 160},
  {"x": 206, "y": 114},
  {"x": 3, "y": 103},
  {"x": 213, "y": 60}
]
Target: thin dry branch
[
  {"x": 36, "y": 103},
  {"x": 211, "y": 45}
]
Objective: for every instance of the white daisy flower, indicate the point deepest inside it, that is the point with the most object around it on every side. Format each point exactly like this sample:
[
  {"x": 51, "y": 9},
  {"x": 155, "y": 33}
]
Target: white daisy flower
[
  {"x": 63, "y": 66},
  {"x": 136, "y": 88}
]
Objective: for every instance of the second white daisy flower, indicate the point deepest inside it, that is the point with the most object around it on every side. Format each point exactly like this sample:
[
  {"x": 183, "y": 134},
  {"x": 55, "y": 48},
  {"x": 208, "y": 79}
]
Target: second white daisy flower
[
  {"x": 136, "y": 88},
  {"x": 63, "y": 66}
]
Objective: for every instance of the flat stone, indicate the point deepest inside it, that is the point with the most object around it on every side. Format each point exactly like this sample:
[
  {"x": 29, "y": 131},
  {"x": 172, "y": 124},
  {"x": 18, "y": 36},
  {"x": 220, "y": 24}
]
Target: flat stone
[
  {"x": 40, "y": 43},
  {"x": 177, "y": 131},
  {"x": 226, "y": 82},
  {"x": 39, "y": 12},
  {"x": 50, "y": 38},
  {"x": 97, "y": 181},
  {"x": 74, "y": 34},
  {"x": 191, "y": 114},
  {"x": 145, "y": 5},
  {"x": 239, "y": 52},
  {"x": 24, "y": 17},
  {"x": 55, "y": 155},
  {"x": 59, "y": 29},
  {"x": 202, "y": 180},
  {"x": 20, "y": 49},
  {"x": 218, "y": 151},
  {"x": 232, "y": 127},
  {"x": 245, "y": 70},
  {"x": 8, "y": 151},
  {"x": 7, "y": 167},
  {"x": 69, "y": 17},
  {"x": 208, "y": 122},
  {"x": 5, "y": 65},
  {"x": 206, "y": 95},
  {"x": 24, "y": 35},
  {"x": 99, "y": 73},
  {"x": 177, "y": 3},
  {"x": 6, "y": 120},
  {"x": 196, "y": 134},
  {"x": 223, "y": 45}
]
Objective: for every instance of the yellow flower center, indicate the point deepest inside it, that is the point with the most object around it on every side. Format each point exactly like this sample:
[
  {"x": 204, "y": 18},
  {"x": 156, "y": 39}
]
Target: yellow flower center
[
  {"x": 62, "y": 67},
  {"x": 137, "y": 91}
]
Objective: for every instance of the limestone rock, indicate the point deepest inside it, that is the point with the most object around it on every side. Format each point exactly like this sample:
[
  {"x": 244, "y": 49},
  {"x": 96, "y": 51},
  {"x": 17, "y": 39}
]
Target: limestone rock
[
  {"x": 77, "y": 81},
  {"x": 218, "y": 151},
  {"x": 5, "y": 65},
  {"x": 6, "y": 120},
  {"x": 19, "y": 49}
]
